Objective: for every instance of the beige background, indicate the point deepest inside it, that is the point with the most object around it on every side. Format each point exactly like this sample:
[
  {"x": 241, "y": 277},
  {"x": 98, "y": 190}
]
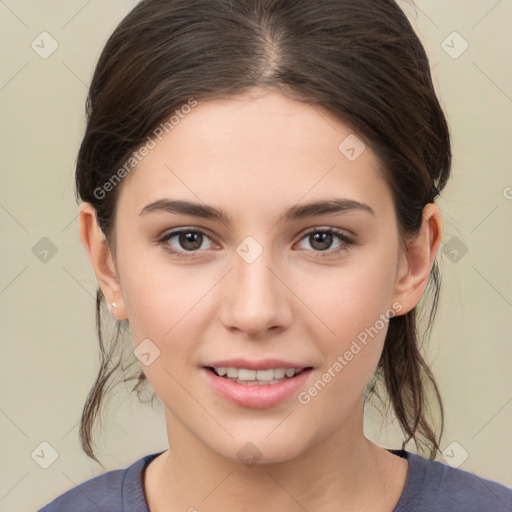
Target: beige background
[{"x": 49, "y": 349}]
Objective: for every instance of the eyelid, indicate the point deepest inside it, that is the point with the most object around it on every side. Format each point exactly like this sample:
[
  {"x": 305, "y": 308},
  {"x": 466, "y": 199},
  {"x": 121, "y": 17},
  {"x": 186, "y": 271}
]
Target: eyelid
[{"x": 319, "y": 229}]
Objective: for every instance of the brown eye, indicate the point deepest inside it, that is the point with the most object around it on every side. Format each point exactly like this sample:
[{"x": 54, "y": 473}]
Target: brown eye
[
  {"x": 190, "y": 241},
  {"x": 321, "y": 240},
  {"x": 183, "y": 241}
]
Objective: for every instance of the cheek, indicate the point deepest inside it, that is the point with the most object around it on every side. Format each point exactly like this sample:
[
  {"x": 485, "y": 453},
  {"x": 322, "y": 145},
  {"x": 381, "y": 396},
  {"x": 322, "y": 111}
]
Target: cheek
[
  {"x": 163, "y": 304},
  {"x": 354, "y": 310},
  {"x": 158, "y": 294},
  {"x": 350, "y": 299},
  {"x": 169, "y": 305},
  {"x": 353, "y": 304}
]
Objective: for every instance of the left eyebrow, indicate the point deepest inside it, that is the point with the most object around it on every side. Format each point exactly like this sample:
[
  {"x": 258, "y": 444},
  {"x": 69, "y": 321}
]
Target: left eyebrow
[
  {"x": 303, "y": 211},
  {"x": 296, "y": 212}
]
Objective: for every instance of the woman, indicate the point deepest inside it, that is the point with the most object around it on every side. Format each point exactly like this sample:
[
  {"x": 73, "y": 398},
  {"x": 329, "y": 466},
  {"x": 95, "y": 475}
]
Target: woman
[{"x": 258, "y": 182}]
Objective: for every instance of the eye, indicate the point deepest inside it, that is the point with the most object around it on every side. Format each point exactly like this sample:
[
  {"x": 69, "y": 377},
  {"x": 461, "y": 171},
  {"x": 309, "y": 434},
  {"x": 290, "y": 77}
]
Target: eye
[
  {"x": 188, "y": 241},
  {"x": 321, "y": 239}
]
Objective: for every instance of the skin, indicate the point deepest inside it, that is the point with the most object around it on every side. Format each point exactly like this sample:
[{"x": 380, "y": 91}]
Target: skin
[{"x": 254, "y": 156}]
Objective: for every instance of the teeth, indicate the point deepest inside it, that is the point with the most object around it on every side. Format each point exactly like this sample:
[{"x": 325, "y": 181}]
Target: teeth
[
  {"x": 279, "y": 373},
  {"x": 243, "y": 374},
  {"x": 264, "y": 375}
]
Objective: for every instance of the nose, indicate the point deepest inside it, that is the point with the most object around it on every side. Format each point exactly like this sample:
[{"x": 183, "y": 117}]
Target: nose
[{"x": 256, "y": 298}]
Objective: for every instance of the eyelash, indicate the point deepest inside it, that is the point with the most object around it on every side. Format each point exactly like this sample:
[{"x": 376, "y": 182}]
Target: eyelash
[{"x": 318, "y": 254}]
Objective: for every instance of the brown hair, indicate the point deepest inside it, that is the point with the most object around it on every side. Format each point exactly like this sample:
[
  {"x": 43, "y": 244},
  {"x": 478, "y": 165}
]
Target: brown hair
[{"x": 360, "y": 60}]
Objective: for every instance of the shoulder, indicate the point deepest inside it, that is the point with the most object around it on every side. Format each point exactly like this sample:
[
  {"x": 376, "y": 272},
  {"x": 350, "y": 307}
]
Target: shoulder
[
  {"x": 119, "y": 490},
  {"x": 434, "y": 486}
]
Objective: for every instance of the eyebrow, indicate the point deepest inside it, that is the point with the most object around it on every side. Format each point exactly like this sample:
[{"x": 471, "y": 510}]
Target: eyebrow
[{"x": 296, "y": 212}]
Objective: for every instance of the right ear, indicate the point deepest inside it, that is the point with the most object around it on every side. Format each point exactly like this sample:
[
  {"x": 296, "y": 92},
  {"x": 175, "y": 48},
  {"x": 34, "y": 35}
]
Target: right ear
[{"x": 101, "y": 259}]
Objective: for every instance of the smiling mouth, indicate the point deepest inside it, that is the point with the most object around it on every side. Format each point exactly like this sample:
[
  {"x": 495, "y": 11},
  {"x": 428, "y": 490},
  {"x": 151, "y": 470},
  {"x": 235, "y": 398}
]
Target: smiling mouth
[{"x": 256, "y": 377}]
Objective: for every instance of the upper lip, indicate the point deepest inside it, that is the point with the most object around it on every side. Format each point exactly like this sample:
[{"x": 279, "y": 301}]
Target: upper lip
[{"x": 263, "y": 364}]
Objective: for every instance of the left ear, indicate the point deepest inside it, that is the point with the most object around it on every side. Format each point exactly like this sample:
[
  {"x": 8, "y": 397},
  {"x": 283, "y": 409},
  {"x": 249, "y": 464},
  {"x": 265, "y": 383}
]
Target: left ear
[{"x": 417, "y": 260}]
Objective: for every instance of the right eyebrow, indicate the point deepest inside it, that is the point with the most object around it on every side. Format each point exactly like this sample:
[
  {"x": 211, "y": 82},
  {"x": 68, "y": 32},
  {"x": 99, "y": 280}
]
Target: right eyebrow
[{"x": 187, "y": 208}]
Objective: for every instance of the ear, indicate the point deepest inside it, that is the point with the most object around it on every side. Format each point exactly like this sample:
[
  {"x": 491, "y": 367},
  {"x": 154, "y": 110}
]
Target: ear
[
  {"x": 101, "y": 259},
  {"x": 417, "y": 260}
]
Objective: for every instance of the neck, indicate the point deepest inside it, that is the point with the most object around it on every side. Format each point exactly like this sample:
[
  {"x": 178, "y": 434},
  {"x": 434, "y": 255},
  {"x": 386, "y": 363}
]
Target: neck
[{"x": 343, "y": 471}]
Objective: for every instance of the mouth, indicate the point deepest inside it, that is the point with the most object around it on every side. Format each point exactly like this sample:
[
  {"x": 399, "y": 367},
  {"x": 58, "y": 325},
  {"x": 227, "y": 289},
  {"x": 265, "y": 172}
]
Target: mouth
[
  {"x": 256, "y": 384},
  {"x": 252, "y": 377}
]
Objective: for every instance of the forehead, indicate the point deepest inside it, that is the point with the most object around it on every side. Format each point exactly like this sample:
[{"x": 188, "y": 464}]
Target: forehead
[{"x": 258, "y": 150}]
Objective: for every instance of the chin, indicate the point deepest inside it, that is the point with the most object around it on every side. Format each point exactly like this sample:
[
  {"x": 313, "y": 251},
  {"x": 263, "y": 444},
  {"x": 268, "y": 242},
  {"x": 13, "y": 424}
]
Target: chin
[{"x": 259, "y": 450}]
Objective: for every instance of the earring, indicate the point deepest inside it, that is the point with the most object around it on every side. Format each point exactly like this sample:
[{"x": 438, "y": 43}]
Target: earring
[{"x": 114, "y": 305}]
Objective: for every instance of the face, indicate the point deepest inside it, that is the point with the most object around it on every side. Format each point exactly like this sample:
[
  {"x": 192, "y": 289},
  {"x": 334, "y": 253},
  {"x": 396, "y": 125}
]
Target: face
[{"x": 272, "y": 285}]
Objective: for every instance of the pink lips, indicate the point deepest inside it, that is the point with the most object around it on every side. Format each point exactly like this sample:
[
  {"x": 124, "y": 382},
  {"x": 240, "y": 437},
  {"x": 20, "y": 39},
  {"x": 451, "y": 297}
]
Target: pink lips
[
  {"x": 264, "y": 364},
  {"x": 255, "y": 396}
]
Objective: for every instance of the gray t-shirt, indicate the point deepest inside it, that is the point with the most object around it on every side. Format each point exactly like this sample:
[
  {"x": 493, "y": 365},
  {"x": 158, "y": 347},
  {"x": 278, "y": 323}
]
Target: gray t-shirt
[{"x": 431, "y": 486}]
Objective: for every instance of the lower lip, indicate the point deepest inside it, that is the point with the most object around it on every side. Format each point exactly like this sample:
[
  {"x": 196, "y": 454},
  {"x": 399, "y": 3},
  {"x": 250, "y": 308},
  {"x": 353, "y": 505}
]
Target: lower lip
[{"x": 256, "y": 396}]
